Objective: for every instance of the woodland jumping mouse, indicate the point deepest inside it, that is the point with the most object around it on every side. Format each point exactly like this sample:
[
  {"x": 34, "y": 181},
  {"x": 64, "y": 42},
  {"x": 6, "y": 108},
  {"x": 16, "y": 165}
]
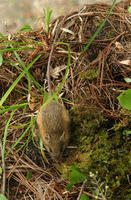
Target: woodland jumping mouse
[{"x": 53, "y": 122}]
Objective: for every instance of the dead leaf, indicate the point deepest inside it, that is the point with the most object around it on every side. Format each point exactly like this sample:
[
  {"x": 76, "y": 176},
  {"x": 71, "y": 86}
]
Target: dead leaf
[
  {"x": 125, "y": 62},
  {"x": 56, "y": 71},
  {"x": 119, "y": 45}
]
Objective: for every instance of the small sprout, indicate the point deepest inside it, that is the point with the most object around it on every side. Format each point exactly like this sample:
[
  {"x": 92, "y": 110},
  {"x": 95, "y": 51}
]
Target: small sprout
[
  {"x": 47, "y": 15},
  {"x": 25, "y": 28}
]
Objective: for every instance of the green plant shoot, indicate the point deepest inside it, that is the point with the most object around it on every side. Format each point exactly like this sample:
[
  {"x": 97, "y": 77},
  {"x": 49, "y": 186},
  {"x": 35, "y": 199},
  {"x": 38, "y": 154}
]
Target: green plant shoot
[{"x": 47, "y": 14}]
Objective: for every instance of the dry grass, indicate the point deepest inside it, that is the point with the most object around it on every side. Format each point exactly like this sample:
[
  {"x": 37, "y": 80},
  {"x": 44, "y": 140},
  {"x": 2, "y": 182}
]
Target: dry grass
[{"x": 95, "y": 78}]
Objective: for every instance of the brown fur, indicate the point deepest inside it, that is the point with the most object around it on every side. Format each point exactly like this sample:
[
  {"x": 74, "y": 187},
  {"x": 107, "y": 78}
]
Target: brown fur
[{"x": 53, "y": 122}]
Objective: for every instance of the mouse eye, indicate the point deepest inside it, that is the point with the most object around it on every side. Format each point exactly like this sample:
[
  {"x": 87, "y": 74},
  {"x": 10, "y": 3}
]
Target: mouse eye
[
  {"x": 47, "y": 137},
  {"x": 61, "y": 148}
]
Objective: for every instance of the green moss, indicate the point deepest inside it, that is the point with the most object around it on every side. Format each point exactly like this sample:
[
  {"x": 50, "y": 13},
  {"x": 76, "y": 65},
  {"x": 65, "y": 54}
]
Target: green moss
[
  {"x": 101, "y": 147},
  {"x": 110, "y": 34},
  {"x": 89, "y": 75}
]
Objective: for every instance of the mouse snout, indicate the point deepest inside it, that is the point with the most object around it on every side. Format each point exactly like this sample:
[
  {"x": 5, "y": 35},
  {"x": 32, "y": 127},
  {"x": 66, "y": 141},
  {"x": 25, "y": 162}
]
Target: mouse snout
[
  {"x": 55, "y": 151},
  {"x": 56, "y": 155}
]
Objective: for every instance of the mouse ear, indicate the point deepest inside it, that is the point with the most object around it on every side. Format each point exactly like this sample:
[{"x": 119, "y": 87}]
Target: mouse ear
[
  {"x": 47, "y": 136},
  {"x": 62, "y": 137}
]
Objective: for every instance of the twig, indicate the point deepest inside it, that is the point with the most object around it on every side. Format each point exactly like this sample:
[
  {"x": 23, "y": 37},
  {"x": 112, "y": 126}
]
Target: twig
[
  {"x": 82, "y": 188},
  {"x": 91, "y": 195},
  {"x": 3, "y": 169},
  {"x": 49, "y": 60}
]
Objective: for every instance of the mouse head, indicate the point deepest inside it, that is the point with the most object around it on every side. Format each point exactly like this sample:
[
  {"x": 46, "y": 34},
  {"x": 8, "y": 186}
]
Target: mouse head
[{"x": 55, "y": 145}]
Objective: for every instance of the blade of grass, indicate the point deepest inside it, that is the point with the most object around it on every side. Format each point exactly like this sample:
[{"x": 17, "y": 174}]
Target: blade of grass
[
  {"x": 1, "y": 59},
  {"x": 47, "y": 14},
  {"x": 25, "y": 69},
  {"x": 29, "y": 76},
  {"x": 67, "y": 68},
  {"x": 17, "y": 80},
  {"x": 5, "y": 134},
  {"x": 22, "y": 43},
  {"x": 15, "y": 49},
  {"x": 26, "y": 142},
  {"x": 55, "y": 94},
  {"x": 19, "y": 59},
  {"x": 42, "y": 150},
  {"x": 98, "y": 30},
  {"x": 12, "y": 107},
  {"x": 20, "y": 126},
  {"x": 3, "y": 37},
  {"x": 39, "y": 87},
  {"x": 3, "y": 150},
  {"x": 12, "y": 49},
  {"x": 21, "y": 137}
]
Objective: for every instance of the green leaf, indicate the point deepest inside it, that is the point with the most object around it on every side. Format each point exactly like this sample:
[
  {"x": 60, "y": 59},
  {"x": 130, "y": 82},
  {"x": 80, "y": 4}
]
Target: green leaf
[
  {"x": 2, "y": 197},
  {"x": 127, "y": 80},
  {"x": 84, "y": 197},
  {"x": 96, "y": 192},
  {"x": 126, "y": 132},
  {"x": 129, "y": 9},
  {"x": 1, "y": 59},
  {"x": 25, "y": 28},
  {"x": 125, "y": 99},
  {"x": 76, "y": 176}
]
